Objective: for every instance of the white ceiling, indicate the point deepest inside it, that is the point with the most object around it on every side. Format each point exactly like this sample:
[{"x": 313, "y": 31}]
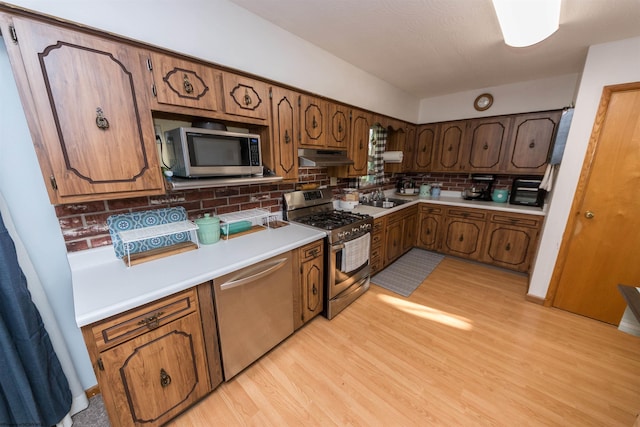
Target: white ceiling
[{"x": 436, "y": 47}]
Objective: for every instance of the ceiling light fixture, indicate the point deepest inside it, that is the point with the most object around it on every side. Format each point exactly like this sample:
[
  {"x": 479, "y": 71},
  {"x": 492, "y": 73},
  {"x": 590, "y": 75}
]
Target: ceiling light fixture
[{"x": 527, "y": 22}]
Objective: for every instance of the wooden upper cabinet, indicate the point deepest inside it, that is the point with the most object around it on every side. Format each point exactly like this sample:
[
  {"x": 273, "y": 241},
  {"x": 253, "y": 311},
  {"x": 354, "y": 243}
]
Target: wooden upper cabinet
[
  {"x": 450, "y": 147},
  {"x": 184, "y": 83},
  {"x": 313, "y": 112},
  {"x": 487, "y": 144},
  {"x": 426, "y": 139},
  {"x": 359, "y": 146},
  {"x": 88, "y": 111},
  {"x": 409, "y": 160},
  {"x": 281, "y": 155},
  {"x": 338, "y": 122},
  {"x": 531, "y": 142},
  {"x": 245, "y": 97}
]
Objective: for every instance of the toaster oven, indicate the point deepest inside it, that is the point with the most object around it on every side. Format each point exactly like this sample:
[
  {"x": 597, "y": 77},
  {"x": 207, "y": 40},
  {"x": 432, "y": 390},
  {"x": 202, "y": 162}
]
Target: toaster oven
[{"x": 526, "y": 191}]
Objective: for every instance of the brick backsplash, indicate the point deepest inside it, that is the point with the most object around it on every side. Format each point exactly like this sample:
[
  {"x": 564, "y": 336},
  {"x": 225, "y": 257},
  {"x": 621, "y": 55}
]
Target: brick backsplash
[{"x": 84, "y": 225}]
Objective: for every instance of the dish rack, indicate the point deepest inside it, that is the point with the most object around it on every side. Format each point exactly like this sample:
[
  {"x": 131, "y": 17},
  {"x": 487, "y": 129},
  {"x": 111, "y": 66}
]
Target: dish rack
[
  {"x": 259, "y": 219},
  {"x": 156, "y": 231}
]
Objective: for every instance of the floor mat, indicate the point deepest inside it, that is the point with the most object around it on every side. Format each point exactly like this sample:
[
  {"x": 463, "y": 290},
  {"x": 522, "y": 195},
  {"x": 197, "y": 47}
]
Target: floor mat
[{"x": 408, "y": 271}]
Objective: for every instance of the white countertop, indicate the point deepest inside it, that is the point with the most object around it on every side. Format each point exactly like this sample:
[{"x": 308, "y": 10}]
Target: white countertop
[
  {"x": 104, "y": 286},
  {"x": 449, "y": 198}
]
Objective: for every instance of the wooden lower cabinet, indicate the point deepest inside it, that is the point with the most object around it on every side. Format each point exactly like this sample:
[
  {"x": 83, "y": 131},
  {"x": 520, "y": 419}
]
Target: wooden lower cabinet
[
  {"x": 463, "y": 232},
  {"x": 511, "y": 240},
  {"x": 430, "y": 226},
  {"x": 400, "y": 233},
  {"x": 503, "y": 239},
  {"x": 152, "y": 362},
  {"x": 311, "y": 261}
]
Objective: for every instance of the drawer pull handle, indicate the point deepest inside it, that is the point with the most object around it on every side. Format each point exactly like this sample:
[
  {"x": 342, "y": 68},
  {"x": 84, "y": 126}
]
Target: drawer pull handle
[
  {"x": 461, "y": 238},
  {"x": 188, "y": 87},
  {"x": 508, "y": 247},
  {"x": 152, "y": 322},
  {"x": 247, "y": 98},
  {"x": 101, "y": 120},
  {"x": 165, "y": 379}
]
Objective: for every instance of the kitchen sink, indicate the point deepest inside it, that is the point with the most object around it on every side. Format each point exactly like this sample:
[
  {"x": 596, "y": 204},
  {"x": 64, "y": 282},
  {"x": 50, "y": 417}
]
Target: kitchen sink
[{"x": 387, "y": 204}]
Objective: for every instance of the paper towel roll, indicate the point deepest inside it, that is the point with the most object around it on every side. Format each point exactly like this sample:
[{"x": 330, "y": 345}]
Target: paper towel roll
[{"x": 392, "y": 156}]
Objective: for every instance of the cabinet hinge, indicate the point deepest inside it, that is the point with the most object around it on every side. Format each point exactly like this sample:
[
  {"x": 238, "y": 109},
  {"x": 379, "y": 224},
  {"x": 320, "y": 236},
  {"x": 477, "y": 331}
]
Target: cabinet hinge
[
  {"x": 149, "y": 64},
  {"x": 100, "y": 364},
  {"x": 154, "y": 91},
  {"x": 54, "y": 184},
  {"x": 14, "y": 35}
]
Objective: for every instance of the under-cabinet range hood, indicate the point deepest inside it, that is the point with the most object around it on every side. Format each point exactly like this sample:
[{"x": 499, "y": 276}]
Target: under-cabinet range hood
[{"x": 308, "y": 157}]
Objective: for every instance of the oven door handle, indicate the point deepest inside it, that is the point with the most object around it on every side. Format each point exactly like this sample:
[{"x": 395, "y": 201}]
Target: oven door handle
[
  {"x": 336, "y": 248},
  {"x": 271, "y": 267}
]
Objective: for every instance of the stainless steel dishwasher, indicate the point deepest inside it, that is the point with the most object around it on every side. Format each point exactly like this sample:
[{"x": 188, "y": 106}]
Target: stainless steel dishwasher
[{"x": 254, "y": 306}]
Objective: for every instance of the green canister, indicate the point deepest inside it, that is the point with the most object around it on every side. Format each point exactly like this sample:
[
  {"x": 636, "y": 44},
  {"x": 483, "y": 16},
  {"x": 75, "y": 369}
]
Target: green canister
[{"x": 208, "y": 229}]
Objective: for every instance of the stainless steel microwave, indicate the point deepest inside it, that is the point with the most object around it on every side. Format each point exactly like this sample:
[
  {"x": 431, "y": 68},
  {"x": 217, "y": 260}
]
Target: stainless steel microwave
[{"x": 196, "y": 152}]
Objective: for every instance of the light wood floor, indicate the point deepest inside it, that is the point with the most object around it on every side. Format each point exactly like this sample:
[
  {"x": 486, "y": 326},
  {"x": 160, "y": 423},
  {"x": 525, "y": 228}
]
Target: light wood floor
[{"x": 465, "y": 349}]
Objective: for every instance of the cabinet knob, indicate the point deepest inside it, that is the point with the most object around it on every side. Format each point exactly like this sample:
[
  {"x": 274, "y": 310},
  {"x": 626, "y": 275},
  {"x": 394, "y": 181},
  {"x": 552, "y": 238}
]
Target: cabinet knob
[
  {"x": 287, "y": 138},
  {"x": 589, "y": 215},
  {"x": 165, "y": 379},
  {"x": 247, "y": 98},
  {"x": 532, "y": 144},
  {"x": 314, "y": 123},
  {"x": 508, "y": 247},
  {"x": 485, "y": 146},
  {"x": 314, "y": 290},
  {"x": 461, "y": 238}
]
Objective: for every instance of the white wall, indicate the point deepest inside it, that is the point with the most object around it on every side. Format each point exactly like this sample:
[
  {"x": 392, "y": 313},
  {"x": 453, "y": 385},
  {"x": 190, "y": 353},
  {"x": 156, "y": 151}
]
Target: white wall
[
  {"x": 34, "y": 217},
  {"x": 536, "y": 95},
  {"x": 226, "y": 34},
  {"x": 607, "y": 64}
]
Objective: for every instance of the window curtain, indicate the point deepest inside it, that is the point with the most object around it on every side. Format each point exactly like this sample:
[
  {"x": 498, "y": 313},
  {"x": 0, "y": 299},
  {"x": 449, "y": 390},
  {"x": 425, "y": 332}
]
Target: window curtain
[
  {"x": 378, "y": 144},
  {"x": 33, "y": 389}
]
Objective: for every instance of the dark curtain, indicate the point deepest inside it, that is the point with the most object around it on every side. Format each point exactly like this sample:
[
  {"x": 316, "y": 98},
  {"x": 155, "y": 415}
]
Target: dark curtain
[{"x": 33, "y": 388}]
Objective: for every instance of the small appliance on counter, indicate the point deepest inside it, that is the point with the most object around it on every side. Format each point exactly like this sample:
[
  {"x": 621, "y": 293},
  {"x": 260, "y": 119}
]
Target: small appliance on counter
[
  {"x": 526, "y": 191},
  {"x": 500, "y": 195},
  {"x": 481, "y": 189}
]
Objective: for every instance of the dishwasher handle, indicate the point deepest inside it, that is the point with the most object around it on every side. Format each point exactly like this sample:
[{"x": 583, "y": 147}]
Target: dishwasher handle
[{"x": 271, "y": 267}]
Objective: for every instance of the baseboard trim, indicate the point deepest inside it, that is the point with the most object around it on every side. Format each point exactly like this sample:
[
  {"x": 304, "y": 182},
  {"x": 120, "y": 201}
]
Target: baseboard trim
[
  {"x": 90, "y": 392},
  {"x": 534, "y": 299}
]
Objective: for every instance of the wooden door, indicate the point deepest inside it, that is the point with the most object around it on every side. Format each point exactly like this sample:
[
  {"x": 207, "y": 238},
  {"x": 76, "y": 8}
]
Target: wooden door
[
  {"x": 156, "y": 375},
  {"x": 245, "y": 97},
  {"x": 393, "y": 238},
  {"x": 487, "y": 144},
  {"x": 358, "y": 149},
  {"x": 409, "y": 229},
  {"x": 338, "y": 126},
  {"x": 464, "y": 229},
  {"x": 312, "y": 118},
  {"x": 312, "y": 280},
  {"x": 450, "y": 147},
  {"x": 430, "y": 226},
  {"x": 601, "y": 243},
  {"x": 184, "y": 83},
  {"x": 531, "y": 142},
  {"x": 89, "y": 116},
  {"x": 281, "y": 155},
  {"x": 425, "y": 143}
]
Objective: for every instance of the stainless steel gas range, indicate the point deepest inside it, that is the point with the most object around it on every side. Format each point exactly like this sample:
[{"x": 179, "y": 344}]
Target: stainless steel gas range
[{"x": 347, "y": 245}]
